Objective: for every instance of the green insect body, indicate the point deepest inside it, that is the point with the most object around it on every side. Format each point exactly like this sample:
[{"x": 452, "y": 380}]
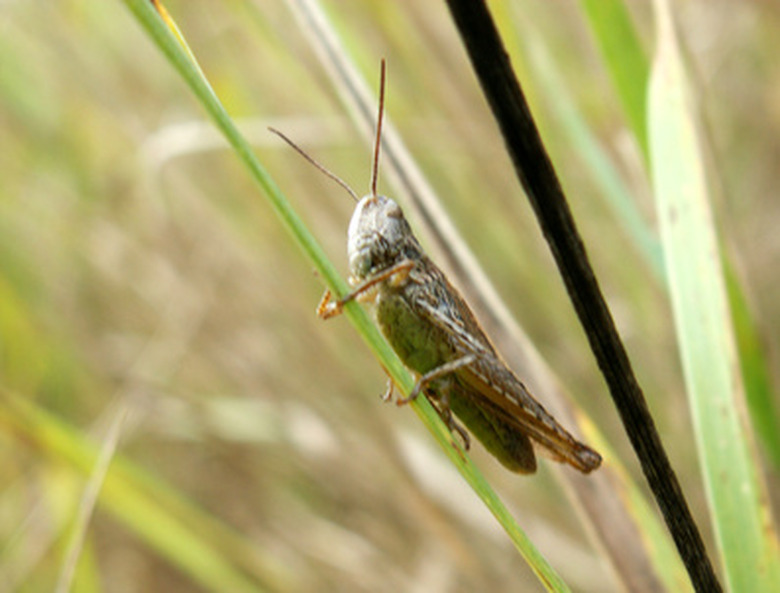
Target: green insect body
[{"x": 435, "y": 334}]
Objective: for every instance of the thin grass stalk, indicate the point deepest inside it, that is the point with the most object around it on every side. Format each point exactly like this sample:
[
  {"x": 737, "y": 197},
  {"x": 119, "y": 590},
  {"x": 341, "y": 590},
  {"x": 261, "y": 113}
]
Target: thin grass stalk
[
  {"x": 745, "y": 531},
  {"x": 172, "y": 44}
]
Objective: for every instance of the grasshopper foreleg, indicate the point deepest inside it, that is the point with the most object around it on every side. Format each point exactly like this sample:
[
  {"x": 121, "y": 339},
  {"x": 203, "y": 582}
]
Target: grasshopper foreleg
[{"x": 396, "y": 274}]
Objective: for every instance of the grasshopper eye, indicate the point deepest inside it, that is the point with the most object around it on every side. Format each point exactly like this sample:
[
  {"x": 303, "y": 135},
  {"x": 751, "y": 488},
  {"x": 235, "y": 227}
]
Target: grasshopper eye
[{"x": 394, "y": 211}]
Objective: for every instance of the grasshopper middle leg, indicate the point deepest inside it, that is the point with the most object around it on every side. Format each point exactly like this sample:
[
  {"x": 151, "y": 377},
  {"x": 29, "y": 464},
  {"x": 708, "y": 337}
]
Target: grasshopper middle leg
[{"x": 441, "y": 402}]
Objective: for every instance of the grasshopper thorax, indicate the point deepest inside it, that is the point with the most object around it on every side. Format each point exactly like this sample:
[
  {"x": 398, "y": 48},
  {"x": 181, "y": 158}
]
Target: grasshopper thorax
[{"x": 378, "y": 237}]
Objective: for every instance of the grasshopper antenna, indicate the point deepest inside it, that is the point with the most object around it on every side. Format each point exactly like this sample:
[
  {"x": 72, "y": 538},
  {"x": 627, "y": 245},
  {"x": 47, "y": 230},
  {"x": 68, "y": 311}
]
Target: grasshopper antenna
[
  {"x": 309, "y": 158},
  {"x": 378, "y": 142}
]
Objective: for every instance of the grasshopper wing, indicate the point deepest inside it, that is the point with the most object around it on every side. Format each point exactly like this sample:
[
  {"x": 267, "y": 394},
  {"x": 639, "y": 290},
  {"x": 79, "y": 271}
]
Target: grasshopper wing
[{"x": 494, "y": 390}]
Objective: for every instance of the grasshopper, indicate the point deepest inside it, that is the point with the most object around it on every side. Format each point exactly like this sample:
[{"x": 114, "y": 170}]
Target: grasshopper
[{"x": 432, "y": 329}]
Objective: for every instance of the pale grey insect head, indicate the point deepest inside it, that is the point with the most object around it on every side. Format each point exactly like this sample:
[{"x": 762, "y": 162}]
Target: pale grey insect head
[{"x": 376, "y": 235}]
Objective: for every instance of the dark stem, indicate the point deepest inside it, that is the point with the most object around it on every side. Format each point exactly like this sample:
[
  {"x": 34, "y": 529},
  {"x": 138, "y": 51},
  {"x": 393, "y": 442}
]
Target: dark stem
[{"x": 541, "y": 185}]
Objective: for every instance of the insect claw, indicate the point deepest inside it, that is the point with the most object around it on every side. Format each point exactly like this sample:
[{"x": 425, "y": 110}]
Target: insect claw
[
  {"x": 446, "y": 415},
  {"x": 388, "y": 394},
  {"x": 324, "y": 305},
  {"x": 402, "y": 401},
  {"x": 327, "y": 308},
  {"x": 463, "y": 434}
]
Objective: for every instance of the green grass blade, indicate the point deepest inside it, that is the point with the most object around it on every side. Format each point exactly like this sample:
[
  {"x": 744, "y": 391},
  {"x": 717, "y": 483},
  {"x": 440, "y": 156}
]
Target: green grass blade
[
  {"x": 87, "y": 504},
  {"x": 626, "y": 62},
  {"x": 762, "y": 403},
  {"x": 175, "y": 538},
  {"x": 624, "y": 58},
  {"x": 745, "y": 534},
  {"x": 170, "y": 43},
  {"x": 179, "y": 56},
  {"x": 614, "y": 190}
]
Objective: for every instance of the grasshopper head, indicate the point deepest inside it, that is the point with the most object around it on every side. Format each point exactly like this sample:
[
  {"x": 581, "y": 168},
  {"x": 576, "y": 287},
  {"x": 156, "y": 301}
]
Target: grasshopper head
[{"x": 378, "y": 236}]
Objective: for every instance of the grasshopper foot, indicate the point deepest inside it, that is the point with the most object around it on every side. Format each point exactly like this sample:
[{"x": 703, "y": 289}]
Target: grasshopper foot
[
  {"x": 327, "y": 308},
  {"x": 449, "y": 420},
  {"x": 388, "y": 394}
]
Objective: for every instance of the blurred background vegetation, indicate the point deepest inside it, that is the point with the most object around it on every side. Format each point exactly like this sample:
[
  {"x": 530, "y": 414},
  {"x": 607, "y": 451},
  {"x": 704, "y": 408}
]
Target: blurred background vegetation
[{"x": 142, "y": 277}]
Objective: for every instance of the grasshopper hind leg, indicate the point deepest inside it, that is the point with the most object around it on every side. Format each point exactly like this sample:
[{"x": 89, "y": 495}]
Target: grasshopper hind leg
[
  {"x": 509, "y": 445},
  {"x": 441, "y": 403}
]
